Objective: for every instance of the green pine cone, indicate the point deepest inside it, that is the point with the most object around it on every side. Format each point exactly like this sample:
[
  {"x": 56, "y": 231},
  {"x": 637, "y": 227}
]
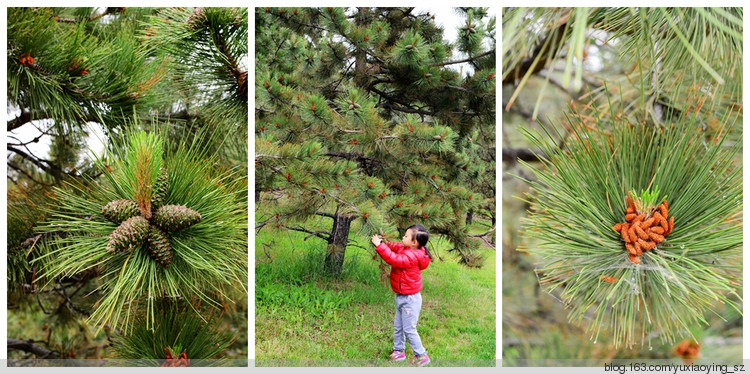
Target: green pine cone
[
  {"x": 160, "y": 190},
  {"x": 197, "y": 19},
  {"x": 130, "y": 234},
  {"x": 158, "y": 247},
  {"x": 171, "y": 218},
  {"x": 118, "y": 211}
]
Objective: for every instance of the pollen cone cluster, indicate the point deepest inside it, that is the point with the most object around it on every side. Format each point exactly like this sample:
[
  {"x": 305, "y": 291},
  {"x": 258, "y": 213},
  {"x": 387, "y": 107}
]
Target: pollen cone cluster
[
  {"x": 174, "y": 360},
  {"x": 643, "y": 230}
]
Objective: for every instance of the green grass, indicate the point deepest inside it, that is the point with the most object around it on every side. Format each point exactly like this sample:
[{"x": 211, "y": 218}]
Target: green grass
[{"x": 306, "y": 318}]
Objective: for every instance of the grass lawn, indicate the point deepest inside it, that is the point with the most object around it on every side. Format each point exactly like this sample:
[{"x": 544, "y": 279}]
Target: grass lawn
[{"x": 306, "y": 318}]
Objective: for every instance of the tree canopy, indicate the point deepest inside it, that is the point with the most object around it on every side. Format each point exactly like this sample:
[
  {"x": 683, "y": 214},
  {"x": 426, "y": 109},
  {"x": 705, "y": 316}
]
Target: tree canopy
[{"x": 363, "y": 115}]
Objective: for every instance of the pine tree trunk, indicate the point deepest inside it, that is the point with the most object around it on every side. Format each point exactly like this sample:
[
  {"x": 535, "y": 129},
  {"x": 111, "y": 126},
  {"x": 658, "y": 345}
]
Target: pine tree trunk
[
  {"x": 469, "y": 216},
  {"x": 337, "y": 246},
  {"x": 492, "y": 237}
]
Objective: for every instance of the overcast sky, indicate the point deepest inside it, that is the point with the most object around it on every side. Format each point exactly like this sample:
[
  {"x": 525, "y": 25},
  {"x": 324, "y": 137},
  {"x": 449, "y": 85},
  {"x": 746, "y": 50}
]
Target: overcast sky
[{"x": 450, "y": 21}]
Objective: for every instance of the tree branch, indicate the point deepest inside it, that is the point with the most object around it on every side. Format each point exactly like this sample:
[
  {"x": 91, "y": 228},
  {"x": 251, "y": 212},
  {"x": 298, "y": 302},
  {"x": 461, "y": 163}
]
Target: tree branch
[
  {"x": 262, "y": 110},
  {"x": 514, "y": 154},
  {"x": 316, "y": 233},
  {"x": 261, "y": 155},
  {"x": 18, "y": 169},
  {"x": 468, "y": 59},
  {"x": 49, "y": 168},
  {"x": 391, "y": 100},
  {"x": 350, "y": 156},
  {"x": 352, "y": 243},
  {"x": 30, "y": 347},
  {"x": 484, "y": 233},
  {"x": 260, "y": 225},
  {"x": 403, "y": 109},
  {"x": 543, "y": 50},
  {"x": 19, "y": 121},
  {"x": 93, "y": 17},
  {"x": 324, "y": 214}
]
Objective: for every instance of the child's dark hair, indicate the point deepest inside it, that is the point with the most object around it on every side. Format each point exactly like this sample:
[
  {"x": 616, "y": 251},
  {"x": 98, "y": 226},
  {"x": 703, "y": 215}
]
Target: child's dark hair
[{"x": 421, "y": 235}]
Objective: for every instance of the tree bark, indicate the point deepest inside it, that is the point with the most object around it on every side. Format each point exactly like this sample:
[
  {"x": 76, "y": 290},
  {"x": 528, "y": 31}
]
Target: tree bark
[
  {"x": 469, "y": 216},
  {"x": 337, "y": 244}
]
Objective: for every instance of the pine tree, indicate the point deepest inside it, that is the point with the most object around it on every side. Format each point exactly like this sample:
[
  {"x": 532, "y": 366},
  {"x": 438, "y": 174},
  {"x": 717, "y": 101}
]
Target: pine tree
[{"x": 362, "y": 117}]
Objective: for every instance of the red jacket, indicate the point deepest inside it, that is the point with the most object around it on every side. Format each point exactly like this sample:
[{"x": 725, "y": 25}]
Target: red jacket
[{"x": 406, "y": 266}]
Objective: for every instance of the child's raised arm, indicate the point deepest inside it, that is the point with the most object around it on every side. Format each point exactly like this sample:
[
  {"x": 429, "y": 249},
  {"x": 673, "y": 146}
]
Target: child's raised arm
[
  {"x": 376, "y": 239},
  {"x": 399, "y": 260}
]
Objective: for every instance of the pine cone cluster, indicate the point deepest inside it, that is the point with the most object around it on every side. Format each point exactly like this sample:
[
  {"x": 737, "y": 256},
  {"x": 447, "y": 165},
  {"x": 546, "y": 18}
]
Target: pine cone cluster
[
  {"x": 642, "y": 231},
  {"x": 135, "y": 230}
]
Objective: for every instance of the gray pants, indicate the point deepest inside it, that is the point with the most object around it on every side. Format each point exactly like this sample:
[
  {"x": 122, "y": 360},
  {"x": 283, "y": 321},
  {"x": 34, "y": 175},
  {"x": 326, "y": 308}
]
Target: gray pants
[{"x": 405, "y": 323}]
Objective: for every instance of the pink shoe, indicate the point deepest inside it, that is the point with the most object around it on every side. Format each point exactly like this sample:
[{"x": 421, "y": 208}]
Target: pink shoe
[
  {"x": 420, "y": 360},
  {"x": 398, "y": 355}
]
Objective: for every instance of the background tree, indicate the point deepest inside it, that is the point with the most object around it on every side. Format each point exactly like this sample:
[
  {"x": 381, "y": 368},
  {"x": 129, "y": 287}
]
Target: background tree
[
  {"x": 604, "y": 73},
  {"x": 75, "y": 72},
  {"x": 361, "y": 115}
]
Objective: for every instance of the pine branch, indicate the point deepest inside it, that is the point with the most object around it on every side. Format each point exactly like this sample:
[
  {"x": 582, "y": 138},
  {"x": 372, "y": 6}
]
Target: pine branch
[
  {"x": 263, "y": 110},
  {"x": 468, "y": 59},
  {"x": 262, "y": 224},
  {"x": 260, "y": 156},
  {"x": 18, "y": 169},
  {"x": 30, "y": 347},
  {"x": 464, "y": 89},
  {"x": 36, "y": 115},
  {"x": 404, "y": 109},
  {"x": 19, "y": 121},
  {"x": 49, "y": 168},
  {"x": 62, "y": 292},
  {"x": 344, "y": 130},
  {"x": 543, "y": 50},
  {"x": 312, "y": 233},
  {"x": 484, "y": 233},
  {"x": 514, "y": 154},
  {"x": 350, "y": 156},
  {"x": 221, "y": 43},
  {"x": 353, "y": 243},
  {"x": 324, "y": 214},
  {"x": 406, "y": 106},
  {"x": 94, "y": 17},
  {"x": 486, "y": 241}
]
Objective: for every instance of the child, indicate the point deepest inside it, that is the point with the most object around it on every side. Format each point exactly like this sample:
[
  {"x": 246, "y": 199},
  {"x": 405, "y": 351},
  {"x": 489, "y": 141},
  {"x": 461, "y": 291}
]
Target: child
[{"x": 407, "y": 260}]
